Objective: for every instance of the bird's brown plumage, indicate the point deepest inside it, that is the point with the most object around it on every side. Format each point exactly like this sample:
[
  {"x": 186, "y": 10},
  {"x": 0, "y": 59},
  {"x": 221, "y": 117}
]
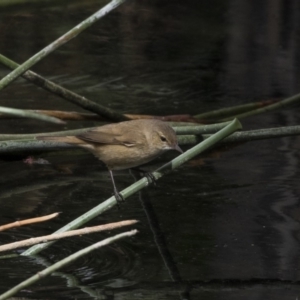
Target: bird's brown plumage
[{"x": 124, "y": 145}]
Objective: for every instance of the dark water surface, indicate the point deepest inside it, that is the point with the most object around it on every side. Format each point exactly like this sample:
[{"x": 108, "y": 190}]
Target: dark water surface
[{"x": 220, "y": 227}]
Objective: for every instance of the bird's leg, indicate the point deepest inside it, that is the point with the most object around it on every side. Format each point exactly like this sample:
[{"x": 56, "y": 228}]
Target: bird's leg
[
  {"x": 148, "y": 175},
  {"x": 118, "y": 196}
]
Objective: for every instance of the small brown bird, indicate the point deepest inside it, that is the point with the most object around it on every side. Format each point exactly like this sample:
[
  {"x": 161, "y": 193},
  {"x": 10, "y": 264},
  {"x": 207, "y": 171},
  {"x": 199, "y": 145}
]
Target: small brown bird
[{"x": 124, "y": 145}]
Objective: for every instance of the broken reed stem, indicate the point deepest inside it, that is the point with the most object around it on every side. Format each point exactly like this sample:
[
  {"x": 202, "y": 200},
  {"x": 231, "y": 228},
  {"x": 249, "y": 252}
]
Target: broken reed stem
[
  {"x": 180, "y": 120},
  {"x": 50, "y": 86},
  {"x": 52, "y": 237},
  {"x": 246, "y": 110},
  {"x": 231, "y": 111},
  {"x": 280, "y": 104},
  {"x": 20, "y": 113},
  {"x": 28, "y": 221}
]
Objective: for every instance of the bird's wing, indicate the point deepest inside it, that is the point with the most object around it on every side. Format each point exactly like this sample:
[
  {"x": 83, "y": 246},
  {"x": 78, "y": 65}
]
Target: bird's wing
[{"x": 109, "y": 135}]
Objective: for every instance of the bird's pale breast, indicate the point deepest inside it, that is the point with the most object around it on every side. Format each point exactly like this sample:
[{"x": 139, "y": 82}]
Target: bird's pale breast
[{"x": 118, "y": 157}]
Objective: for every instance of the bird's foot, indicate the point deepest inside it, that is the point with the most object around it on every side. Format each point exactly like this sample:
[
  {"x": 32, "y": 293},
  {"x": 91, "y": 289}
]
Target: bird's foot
[
  {"x": 150, "y": 177},
  {"x": 119, "y": 197}
]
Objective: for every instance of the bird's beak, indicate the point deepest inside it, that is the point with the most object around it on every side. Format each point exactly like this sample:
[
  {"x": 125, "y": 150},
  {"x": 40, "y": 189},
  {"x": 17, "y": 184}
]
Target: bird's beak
[{"x": 178, "y": 149}]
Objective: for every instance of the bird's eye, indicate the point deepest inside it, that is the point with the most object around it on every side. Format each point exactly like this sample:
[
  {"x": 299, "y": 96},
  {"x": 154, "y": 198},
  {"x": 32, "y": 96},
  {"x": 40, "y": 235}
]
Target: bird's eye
[{"x": 162, "y": 138}]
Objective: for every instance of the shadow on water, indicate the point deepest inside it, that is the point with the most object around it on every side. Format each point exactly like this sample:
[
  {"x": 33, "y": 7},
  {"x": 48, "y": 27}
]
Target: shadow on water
[{"x": 220, "y": 227}]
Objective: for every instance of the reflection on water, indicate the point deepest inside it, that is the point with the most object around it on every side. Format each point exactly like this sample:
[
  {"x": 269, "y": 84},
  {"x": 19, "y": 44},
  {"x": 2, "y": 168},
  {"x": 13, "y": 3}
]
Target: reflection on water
[{"x": 203, "y": 228}]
